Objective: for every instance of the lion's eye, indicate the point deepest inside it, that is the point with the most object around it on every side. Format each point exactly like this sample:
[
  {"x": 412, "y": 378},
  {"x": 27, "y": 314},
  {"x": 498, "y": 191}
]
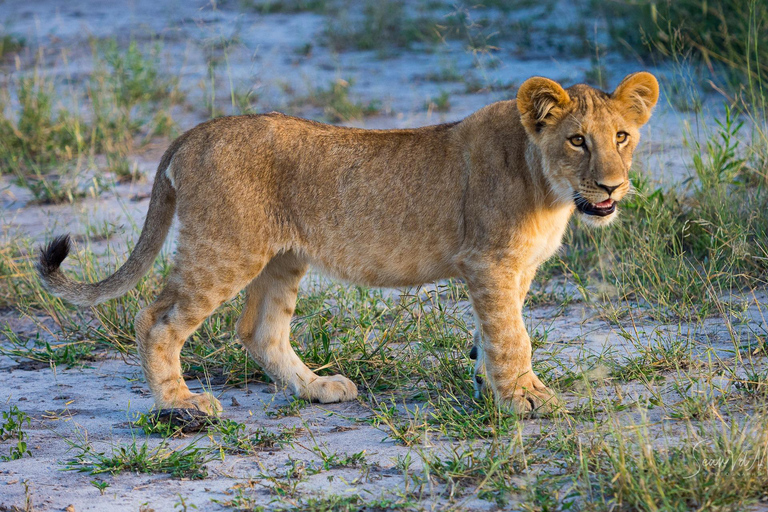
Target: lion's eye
[
  {"x": 577, "y": 140},
  {"x": 621, "y": 137}
]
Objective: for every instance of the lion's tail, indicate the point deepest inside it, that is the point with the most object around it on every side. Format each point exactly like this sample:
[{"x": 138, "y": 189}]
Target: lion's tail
[{"x": 162, "y": 206}]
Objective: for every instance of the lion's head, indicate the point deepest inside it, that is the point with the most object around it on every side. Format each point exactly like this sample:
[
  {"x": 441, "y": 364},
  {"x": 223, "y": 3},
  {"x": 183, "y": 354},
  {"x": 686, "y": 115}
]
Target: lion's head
[{"x": 587, "y": 137}]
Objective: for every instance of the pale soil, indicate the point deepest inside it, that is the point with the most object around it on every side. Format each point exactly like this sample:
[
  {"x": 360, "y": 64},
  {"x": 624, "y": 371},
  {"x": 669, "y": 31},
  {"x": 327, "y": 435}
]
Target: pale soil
[{"x": 99, "y": 400}]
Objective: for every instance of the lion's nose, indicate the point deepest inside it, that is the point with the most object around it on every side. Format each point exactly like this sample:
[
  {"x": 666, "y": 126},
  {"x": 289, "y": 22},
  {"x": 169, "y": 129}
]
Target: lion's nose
[{"x": 608, "y": 188}]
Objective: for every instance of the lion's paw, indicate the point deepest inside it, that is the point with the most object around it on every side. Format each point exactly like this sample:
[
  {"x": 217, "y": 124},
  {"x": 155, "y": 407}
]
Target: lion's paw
[
  {"x": 336, "y": 388},
  {"x": 203, "y": 402},
  {"x": 530, "y": 398}
]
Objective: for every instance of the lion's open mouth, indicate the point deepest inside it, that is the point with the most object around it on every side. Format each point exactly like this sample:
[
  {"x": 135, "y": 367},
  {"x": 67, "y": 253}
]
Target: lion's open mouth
[{"x": 602, "y": 209}]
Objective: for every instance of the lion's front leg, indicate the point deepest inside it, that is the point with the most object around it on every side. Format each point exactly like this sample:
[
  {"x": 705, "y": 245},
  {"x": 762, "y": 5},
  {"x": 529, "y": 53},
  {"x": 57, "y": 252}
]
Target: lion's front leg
[{"x": 503, "y": 347}]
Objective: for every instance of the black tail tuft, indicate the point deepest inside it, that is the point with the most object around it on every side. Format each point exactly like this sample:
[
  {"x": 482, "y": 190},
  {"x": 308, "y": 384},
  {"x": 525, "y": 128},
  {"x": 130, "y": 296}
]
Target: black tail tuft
[{"x": 53, "y": 254}]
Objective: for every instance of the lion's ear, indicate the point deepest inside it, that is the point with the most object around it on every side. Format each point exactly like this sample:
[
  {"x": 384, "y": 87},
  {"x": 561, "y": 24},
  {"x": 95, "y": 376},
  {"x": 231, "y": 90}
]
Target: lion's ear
[
  {"x": 539, "y": 101},
  {"x": 639, "y": 93}
]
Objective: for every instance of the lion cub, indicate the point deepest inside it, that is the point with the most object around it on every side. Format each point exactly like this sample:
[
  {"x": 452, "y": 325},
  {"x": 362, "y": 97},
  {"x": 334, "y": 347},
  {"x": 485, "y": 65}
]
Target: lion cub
[{"x": 259, "y": 198}]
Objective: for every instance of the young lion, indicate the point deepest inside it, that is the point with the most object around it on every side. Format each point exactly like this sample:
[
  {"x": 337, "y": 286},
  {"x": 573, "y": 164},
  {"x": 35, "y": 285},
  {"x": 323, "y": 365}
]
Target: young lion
[{"x": 259, "y": 198}]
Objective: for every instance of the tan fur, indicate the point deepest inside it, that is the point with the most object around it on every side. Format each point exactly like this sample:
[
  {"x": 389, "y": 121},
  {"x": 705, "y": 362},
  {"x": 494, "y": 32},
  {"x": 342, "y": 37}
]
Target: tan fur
[{"x": 260, "y": 198}]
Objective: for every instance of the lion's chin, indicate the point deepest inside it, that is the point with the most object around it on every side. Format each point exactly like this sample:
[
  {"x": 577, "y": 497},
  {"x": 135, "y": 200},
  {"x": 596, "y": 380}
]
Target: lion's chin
[{"x": 596, "y": 221}]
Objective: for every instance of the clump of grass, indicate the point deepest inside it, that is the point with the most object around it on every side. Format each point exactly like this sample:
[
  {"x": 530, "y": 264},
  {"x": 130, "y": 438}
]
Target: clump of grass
[
  {"x": 755, "y": 384},
  {"x": 448, "y": 72},
  {"x": 334, "y": 460},
  {"x": 37, "y": 136},
  {"x": 184, "y": 462},
  {"x": 150, "y": 424},
  {"x": 486, "y": 472},
  {"x": 656, "y": 353},
  {"x": 127, "y": 92}
]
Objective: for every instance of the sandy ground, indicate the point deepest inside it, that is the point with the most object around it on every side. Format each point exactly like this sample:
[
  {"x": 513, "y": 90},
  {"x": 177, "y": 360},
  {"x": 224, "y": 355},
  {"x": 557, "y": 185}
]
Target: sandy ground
[{"x": 98, "y": 401}]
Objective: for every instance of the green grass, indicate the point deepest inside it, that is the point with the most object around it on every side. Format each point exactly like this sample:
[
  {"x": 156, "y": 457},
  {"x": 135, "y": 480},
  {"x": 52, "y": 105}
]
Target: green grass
[
  {"x": 383, "y": 26},
  {"x": 713, "y": 469},
  {"x": 487, "y": 472},
  {"x": 76, "y": 353},
  {"x": 150, "y": 424},
  {"x": 47, "y": 141},
  {"x": 184, "y": 462},
  {"x": 726, "y": 35}
]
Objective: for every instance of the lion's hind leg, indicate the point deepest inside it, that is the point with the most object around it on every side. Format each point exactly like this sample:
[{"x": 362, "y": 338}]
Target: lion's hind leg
[
  {"x": 264, "y": 328},
  {"x": 196, "y": 287}
]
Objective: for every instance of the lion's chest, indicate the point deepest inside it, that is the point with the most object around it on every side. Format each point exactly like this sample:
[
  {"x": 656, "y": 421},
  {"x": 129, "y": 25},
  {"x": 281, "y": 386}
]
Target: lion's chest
[{"x": 543, "y": 236}]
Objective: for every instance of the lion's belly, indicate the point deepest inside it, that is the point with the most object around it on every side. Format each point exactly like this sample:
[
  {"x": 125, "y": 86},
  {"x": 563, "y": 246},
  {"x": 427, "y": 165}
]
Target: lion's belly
[{"x": 378, "y": 263}]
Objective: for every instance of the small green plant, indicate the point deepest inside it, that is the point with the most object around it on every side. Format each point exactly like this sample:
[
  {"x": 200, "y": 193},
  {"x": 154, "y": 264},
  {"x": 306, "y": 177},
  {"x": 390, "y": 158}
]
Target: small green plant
[
  {"x": 755, "y": 384},
  {"x": 242, "y": 498},
  {"x": 13, "y": 428},
  {"x": 725, "y": 162},
  {"x": 182, "y": 504},
  {"x": 286, "y": 485},
  {"x": 101, "y": 485}
]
